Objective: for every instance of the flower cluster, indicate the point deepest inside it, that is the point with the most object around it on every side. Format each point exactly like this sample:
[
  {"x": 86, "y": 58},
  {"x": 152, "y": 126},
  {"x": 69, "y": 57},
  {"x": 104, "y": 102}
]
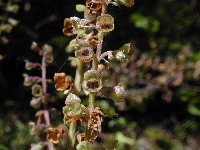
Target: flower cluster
[
  {"x": 87, "y": 45},
  {"x": 39, "y": 93}
]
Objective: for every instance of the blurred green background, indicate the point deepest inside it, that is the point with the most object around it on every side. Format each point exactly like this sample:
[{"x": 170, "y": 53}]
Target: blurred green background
[{"x": 162, "y": 106}]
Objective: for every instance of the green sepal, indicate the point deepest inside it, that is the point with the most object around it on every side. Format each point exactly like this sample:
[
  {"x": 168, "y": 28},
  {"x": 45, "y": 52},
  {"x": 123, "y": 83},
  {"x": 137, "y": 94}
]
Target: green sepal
[{"x": 80, "y": 7}]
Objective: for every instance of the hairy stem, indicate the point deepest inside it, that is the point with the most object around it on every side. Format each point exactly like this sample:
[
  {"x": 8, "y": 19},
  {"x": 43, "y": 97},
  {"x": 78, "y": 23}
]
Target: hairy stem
[
  {"x": 100, "y": 33},
  {"x": 91, "y": 100}
]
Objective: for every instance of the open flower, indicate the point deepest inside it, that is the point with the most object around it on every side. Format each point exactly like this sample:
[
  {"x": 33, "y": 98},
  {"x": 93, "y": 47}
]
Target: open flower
[
  {"x": 54, "y": 134},
  {"x": 37, "y": 90},
  {"x": 84, "y": 53},
  {"x": 62, "y": 81},
  {"x": 68, "y": 27},
  {"x": 94, "y": 5},
  {"x": 105, "y": 23},
  {"x": 92, "y": 81}
]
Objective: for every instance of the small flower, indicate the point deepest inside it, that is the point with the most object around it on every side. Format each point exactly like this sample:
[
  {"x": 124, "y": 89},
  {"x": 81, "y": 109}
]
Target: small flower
[
  {"x": 84, "y": 53},
  {"x": 115, "y": 93},
  {"x": 48, "y": 56},
  {"x": 94, "y": 5},
  {"x": 122, "y": 54},
  {"x": 81, "y": 26},
  {"x": 105, "y": 23},
  {"x": 68, "y": 27},
  {"x": 54, "y": 134},
  {"x": 73, "y": 109},
  {"x": 36, "y": 102},
  {"x": 91, "y": 15},
  {"x": 29, "y": 80},
  {"x": 92, "y": 81},
  {"x": 37, "y": 90},
  {"x": 63, "y": 81},
  {"x": 30, "y": 65}
]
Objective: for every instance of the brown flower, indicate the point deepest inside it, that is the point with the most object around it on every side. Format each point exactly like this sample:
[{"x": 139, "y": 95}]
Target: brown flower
[
  {"x": 62, "y": 81},
  {"x": 68, "y": 27},
  {"x": 54, "y": 134},
  {"x": 94, "y": 123},
  {"x": 94, "y": 5}
]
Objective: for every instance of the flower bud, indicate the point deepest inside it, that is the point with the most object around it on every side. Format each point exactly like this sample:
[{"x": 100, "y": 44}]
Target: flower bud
[
  {"x": 31, "y": 65},
  {"x": 72, "y": 110},
  {"x": 105, "y": 23},
  {"x": 36, "y": 102},
  {"x": 29, "y": 80},
  {"x": 122, "y": 54},
  {"x": 47, "y": 53},
  {"x": 37, "y": 90},
  {"x": 92, "y": 81},
  {"x": 35, "y": 47}
]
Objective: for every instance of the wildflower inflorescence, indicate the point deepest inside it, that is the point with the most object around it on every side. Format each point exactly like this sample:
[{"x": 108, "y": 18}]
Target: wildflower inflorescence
[{"x": 87, "y": 46}]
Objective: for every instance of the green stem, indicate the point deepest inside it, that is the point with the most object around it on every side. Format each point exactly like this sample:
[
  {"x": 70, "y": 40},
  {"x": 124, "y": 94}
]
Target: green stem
[
  {"x": 91, "y": 100},
  {"x": 78, "y": 77},
  {"x": 77, "y": 89},
  {"x": 72, "y": 129}
]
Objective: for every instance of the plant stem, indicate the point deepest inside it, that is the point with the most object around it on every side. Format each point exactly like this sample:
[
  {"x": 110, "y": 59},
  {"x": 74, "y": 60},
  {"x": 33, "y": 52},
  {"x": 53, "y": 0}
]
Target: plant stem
[
  {"x": 99, "y": 45},
  {"x": 91, "y": 100},
  {"x": 77, "y": 89},
  {"x": 44, "y": 88},
  {"x": 78, "y": 77},
  {"x": 72, "y": 129},
  {"x": 100, "y": 33}
]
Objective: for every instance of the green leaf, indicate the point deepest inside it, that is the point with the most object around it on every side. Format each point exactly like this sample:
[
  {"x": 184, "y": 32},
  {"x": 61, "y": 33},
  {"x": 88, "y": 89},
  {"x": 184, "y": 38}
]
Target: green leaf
[
  {"x": 122, "y": 139},
  {"x": 194, "y": 110}
]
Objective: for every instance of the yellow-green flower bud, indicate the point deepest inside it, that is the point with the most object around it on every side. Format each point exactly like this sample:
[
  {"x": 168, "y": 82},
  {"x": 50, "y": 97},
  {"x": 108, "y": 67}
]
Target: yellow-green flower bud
[
  {"x": 122, "y": 54},
  {"x": 73, "y": 109}
]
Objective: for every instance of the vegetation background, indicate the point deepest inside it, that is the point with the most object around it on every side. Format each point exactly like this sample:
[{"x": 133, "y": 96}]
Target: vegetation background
[{"x": 162, "y": 106}]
